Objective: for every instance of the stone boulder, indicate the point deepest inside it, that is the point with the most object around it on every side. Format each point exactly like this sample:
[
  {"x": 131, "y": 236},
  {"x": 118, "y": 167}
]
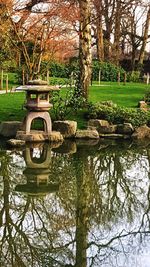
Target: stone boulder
[
  {"x": 141, "y": 132},
  {"x": 142, "y": 105},
  {"x": 87, "y": 134},
  {"x": 125, "y": 128},
  {"x": 10, "y": 128},
  {"x": 102, "y": 126},
  {"x": 108, "y": 129},
  {"x": 98, "y": 123},
  {"x": 66, "y": 128}
]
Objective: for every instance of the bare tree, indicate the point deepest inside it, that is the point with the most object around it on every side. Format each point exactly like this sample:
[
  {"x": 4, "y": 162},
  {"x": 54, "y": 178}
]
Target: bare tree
[
  {"x": 145, "y": 37},
  {"x": 98, "y": 29}
]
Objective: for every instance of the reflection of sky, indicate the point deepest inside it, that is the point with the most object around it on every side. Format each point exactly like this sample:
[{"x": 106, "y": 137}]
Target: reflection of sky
[
  {"x": 136, "y": 247},
  {"x": 133, "y": 250}
]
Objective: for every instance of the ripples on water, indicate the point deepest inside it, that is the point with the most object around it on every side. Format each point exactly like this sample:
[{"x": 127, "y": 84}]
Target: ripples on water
[{"x": 75, "y": 205}]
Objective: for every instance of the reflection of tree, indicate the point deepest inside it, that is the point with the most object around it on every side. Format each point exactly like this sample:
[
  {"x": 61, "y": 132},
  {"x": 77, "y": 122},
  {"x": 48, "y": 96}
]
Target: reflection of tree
[
  {"x": 119, "y": 199},
  {"x": 105, "y": 191},
  {"x": 29, "y": 227},
  {"x": 82, "y": 208},
  {"x": 11, "y": 230},
  {"x": 102, "y": 206},
  {"x": 114, "y": 194},
  {"x": 118, "y": 191},
  {"x": 14, "y": 241}
]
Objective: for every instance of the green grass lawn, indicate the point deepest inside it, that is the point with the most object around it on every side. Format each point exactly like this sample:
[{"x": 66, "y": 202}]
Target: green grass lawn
[
  {"x": 124, "y": 95},
  {"x": 11, "y": 106}
]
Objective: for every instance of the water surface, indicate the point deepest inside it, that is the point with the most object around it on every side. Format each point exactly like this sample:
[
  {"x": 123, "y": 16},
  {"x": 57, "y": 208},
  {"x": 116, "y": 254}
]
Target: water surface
[{"x": 78, "y": 204}]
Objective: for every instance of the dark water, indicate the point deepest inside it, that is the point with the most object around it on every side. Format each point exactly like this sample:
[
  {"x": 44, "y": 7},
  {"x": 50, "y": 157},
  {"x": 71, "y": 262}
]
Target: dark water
[{"x": 75, "y": 205}]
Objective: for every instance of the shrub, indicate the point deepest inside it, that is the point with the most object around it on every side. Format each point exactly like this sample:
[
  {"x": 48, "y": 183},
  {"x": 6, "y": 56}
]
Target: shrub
[
  {"x": 147, "y": 96},
  {"x": 59, "y": 81},
  {"x": 117, "y": 115},
  {"x": 134, "y": 76},
  {"x": 62, "y": 70},
  {"x": 109, "y": 71},
  {"x": 58, "y": 70},
  {"x": 63, "y": 106}
]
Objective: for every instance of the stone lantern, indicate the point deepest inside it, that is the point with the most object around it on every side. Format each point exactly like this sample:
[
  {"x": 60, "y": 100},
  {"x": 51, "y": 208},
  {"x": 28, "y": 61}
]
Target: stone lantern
[{"x": 37, "y": 105}]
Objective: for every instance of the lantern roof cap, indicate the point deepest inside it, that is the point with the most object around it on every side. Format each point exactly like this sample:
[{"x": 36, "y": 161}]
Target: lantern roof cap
[
  {"x": 37, "y": 88},
  {"x": 37, "y": 82}
]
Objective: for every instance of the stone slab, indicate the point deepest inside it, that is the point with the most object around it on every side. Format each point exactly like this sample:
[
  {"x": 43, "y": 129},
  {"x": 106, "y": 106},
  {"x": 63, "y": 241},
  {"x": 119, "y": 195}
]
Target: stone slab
[
  {"x": 16, "y": 142},
  {"x": 115, "y": 136},
  {"x": 39, "y": 136}
]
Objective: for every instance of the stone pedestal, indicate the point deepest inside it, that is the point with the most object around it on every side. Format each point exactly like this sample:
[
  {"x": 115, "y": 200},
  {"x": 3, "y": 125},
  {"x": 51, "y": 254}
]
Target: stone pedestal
[{"x": 37, "y": 115}]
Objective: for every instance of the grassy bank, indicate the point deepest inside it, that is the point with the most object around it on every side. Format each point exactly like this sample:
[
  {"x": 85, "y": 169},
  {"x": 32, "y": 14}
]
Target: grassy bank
[{"x": 124, "y": 95}]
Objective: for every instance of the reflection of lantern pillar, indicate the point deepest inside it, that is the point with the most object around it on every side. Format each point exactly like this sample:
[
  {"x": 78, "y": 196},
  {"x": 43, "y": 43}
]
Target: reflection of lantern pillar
[{"x": 37, "y": 172}]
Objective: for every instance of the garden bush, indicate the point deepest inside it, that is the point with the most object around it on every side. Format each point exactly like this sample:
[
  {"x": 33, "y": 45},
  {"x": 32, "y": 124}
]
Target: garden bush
[
  {"x": 116, "y": 115},
  {"x": 58, "y": 70},
  {"x": 62, "y": 70},
  {"x": 66, "y": 104},
  {"x": 147, "y": 96},
  {"x": 59, "y": 81},
  {"x": 134, "y": 76},
  {"x": 109, "y": 71}
]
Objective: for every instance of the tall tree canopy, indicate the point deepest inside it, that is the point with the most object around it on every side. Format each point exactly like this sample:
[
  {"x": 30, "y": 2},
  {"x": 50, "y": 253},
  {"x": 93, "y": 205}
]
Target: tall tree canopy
[{"x": 37, "y": 30}]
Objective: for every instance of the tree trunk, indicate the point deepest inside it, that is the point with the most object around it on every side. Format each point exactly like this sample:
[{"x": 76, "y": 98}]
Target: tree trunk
[
  {"x": 108, "y": 13},
  {"x": 100, "y": 41},
  {"x": 145, "y": 37},
  {"x": 133, "y": 57},
  {"x": 85, "y": 55},
  {"x": 99, "y": 30},
  {"x": 117, "y": 33},
  {"x": 107, "y": 46}
]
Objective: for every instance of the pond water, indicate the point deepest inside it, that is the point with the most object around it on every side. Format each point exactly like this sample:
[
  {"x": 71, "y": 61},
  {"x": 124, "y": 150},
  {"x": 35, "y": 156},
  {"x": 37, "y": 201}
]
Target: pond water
[{"x": 78, "y": 204}]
